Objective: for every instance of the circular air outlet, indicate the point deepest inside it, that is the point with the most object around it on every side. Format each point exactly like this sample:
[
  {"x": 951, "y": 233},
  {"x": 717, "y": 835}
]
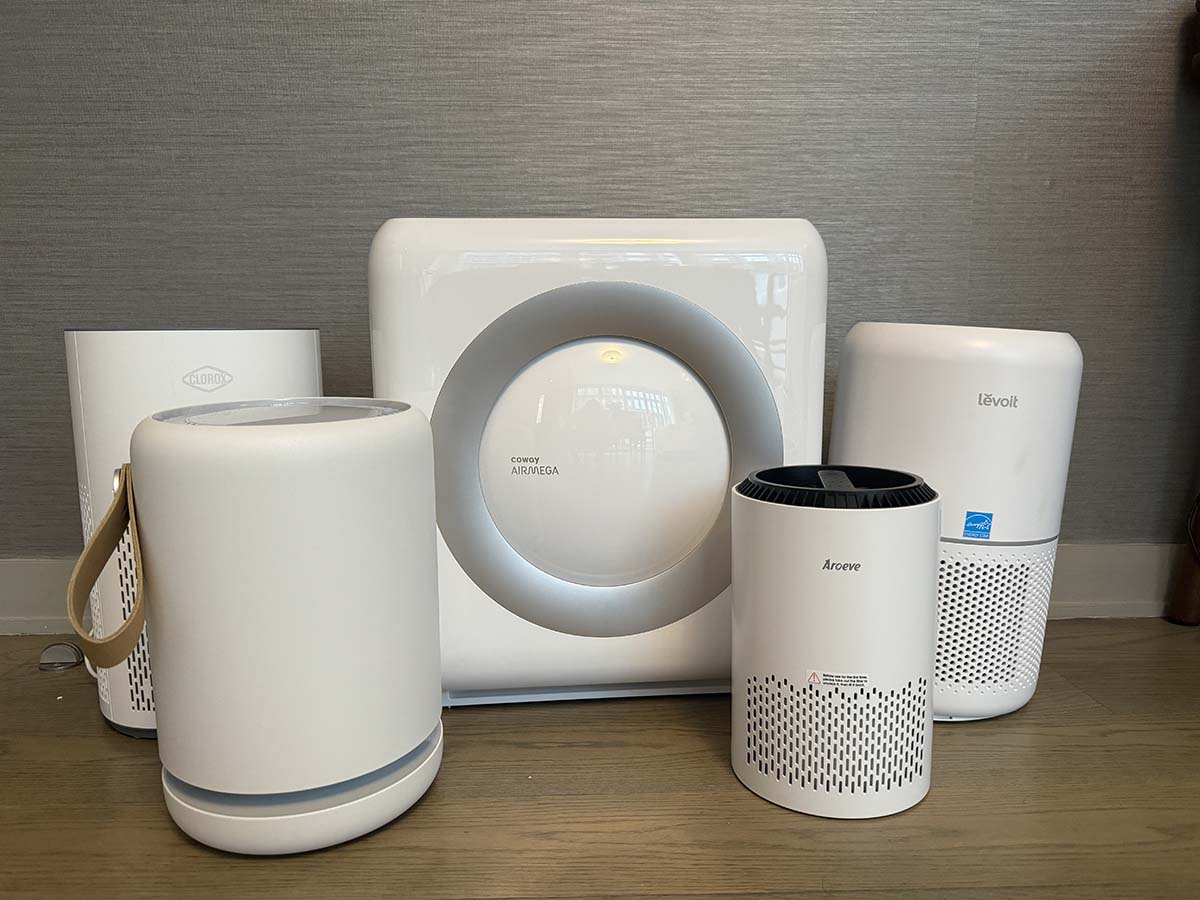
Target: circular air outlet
[{"x": 605, "y": 462}]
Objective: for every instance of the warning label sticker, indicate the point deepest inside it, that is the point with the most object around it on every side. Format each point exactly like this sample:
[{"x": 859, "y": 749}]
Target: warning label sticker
[{"x": 839, "y": 679}]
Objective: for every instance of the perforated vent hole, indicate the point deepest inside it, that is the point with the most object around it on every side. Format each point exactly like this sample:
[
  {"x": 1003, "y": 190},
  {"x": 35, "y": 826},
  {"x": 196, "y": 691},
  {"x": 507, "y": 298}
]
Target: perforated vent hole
[
  {"x": 853, "y": 741},
  {"x": 85, "y": 516},
  {"x": 992, "y": 607},
  {"x": 141, "y": 690}
]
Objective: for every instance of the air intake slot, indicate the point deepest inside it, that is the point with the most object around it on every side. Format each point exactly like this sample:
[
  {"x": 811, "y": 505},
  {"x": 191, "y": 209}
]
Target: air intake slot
[
  {"x": 992, "y": 608},
  {"x": 141, "y": 690},
  {"x": 854, "y": 741},
  {"x": 94, "y": 605}
]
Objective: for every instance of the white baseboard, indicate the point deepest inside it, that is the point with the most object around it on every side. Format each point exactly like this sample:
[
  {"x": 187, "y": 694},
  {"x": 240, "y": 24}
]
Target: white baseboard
[
  {"x": 1105, "y": 580},
  {"x": 1112, "y": 580},
  {"x": 33, "y": 595}
]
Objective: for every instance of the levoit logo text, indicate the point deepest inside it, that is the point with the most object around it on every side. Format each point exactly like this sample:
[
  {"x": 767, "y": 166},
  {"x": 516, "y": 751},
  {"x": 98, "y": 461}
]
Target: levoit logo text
[
  {"x": 207, "y": 379},
  {"x": 1009, "y": 402}
]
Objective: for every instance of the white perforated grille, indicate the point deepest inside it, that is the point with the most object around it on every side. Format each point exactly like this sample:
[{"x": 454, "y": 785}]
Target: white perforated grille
[
  {"x": 853, "y": 741},
  {"x": 89, "y": 525},
  {"x": 992, "y": 608},
  {"x": 141, "y": 690}
]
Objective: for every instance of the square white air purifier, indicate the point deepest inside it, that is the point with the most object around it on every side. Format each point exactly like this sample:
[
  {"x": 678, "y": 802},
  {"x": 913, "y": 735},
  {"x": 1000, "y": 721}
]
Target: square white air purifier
[{"x": 596, "y": 387}]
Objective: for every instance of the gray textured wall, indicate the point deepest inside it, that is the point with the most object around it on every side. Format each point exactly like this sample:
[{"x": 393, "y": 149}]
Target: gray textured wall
[{"x": 1025, "y": 164}]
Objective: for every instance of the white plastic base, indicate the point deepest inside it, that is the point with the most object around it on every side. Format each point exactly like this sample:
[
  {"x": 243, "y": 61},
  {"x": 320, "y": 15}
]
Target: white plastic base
[
  {"x": 834, "y": 805},
  {"x": 981, "y": 706},
  {"x": 271, "y": 824}
]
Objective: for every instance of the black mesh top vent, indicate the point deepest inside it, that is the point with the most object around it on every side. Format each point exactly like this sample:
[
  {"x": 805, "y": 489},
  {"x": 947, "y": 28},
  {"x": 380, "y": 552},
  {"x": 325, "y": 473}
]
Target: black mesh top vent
[{"x": 837, "y": 487}]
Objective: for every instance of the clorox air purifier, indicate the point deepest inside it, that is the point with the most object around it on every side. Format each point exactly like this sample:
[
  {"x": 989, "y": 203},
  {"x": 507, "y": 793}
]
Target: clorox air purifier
[
  {"x": 987, "y": 415},
  {"x": 117, "y": 378}
]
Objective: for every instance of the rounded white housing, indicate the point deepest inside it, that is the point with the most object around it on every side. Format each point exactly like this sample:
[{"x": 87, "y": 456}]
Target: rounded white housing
[
  {"x": 117, "y": 378},
  {"x": 595, "y": 388},
  {"x": 834, "y": 597},
  {"x": 987, "y": 414},
  {"x": 291, "y": 578}
]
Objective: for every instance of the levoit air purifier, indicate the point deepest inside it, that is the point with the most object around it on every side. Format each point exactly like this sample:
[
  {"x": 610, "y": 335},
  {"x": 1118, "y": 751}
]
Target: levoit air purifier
[
  {"x": 987, "y": 415},
  {"x": 834, "y": 600},
  {"x": 291, "y": 589},
  {"x": 596, "y": 387},
  {"x": 116, "y": 379}
]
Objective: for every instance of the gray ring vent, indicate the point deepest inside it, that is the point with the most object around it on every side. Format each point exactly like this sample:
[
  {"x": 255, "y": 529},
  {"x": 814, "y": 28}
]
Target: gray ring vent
[{"x": 481, "y": 375}]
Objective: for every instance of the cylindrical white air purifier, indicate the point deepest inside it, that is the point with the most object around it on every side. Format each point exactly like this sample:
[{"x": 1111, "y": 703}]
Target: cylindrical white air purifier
[
  {"x": 834, "y": 594},
  {"x": 291, "y": 581},
  {"x": 117, "y": 378},
  {"x": 987, "y": 414}
]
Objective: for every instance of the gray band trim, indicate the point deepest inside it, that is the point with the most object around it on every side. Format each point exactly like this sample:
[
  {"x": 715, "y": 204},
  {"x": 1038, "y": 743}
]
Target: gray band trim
[
  {"x": 982, "y": 543},
  {"x": 312, "y": 800},
  {"x": 488, "y": 365}
]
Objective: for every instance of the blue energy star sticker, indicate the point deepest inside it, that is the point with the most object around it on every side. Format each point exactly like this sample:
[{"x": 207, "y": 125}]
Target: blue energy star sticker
[{"x": 978, "y": 525}]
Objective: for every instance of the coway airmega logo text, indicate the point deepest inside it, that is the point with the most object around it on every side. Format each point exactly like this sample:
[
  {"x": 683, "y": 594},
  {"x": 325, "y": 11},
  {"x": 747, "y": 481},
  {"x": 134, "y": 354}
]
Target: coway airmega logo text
[
  {"x": 207, "y": 379},
  {"x": 531, "y": 465}
]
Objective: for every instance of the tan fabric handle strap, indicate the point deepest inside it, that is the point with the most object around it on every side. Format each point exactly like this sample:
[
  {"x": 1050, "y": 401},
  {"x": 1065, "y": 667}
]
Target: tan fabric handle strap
[{"x": 112, "y": 650}]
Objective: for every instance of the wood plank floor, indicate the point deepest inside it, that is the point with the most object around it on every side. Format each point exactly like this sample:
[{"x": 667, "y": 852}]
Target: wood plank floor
[{"x": 1091, "y": 791}]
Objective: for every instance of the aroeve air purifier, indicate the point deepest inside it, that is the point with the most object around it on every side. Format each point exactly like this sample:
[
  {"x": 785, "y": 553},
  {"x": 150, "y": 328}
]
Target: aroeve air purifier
[
  {"x": 834, "y": 603},
  {"x": 596, "y": 387},
  {"x": 291, "y": 591},
  {"x": 987, "y": 415},
  {"x": 116, "y": 379}
]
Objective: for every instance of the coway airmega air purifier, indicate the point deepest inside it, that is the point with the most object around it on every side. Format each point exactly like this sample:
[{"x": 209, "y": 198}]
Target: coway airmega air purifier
[
  {"x": 596, "y": 387},
  {"x": 987, "y": 415},
  {"x": 117, "y": 378},
  {"x": 291, "y": 590},
  {"x": 834, "y": 606}
]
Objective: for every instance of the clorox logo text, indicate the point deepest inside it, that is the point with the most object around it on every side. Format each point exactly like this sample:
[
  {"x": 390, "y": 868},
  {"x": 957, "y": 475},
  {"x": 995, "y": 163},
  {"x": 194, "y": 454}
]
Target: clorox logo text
[{"x": 207, "y": 379}]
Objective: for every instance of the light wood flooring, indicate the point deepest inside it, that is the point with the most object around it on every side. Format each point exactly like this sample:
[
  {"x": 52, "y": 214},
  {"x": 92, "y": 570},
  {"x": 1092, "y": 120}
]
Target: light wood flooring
[{"x": 1092, "y": 791}]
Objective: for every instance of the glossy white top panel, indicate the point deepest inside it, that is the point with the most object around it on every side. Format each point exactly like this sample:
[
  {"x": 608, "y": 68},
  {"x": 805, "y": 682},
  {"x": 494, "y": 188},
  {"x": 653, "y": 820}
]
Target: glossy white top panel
[
  {"x": 297, "y": 411},
  {"x": 484, "y": 235},
  {"x": 978, "y": 346}
]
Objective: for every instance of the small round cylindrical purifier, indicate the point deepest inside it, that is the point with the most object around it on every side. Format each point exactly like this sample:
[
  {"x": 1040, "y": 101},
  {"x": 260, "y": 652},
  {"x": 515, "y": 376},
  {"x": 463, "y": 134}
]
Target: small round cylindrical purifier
[
  {"x": 290, "y": 569},
  {"x": 987, "y": 414},
  {"x": 834, "y": 587}
]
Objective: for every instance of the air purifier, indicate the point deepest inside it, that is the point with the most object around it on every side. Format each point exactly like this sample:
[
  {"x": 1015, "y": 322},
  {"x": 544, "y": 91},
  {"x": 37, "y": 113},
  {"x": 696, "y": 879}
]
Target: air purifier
[
  {"x": 596, "y": 387},
  {"x": 291, "y": 584},
  {"x": 116, "y": 379},
  {"x": 834, "y": 606},
  {"x": 987, "y": 415}
]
